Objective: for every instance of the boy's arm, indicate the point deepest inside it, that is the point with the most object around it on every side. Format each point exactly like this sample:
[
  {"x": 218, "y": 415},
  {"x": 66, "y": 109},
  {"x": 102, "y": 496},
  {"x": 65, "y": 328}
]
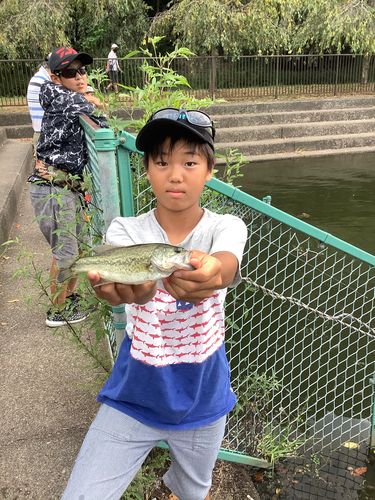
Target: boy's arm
[
  {"x": 117, "y": 293},
  {"x": 211, "y": 273}
]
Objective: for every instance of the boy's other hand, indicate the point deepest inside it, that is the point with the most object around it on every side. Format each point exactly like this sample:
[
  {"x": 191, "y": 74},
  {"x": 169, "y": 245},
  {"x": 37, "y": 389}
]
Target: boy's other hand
[
  {"x": 118, "y": 293},
  {"x": 195, "y": 286},
  {"x": 94, "y": 100}
]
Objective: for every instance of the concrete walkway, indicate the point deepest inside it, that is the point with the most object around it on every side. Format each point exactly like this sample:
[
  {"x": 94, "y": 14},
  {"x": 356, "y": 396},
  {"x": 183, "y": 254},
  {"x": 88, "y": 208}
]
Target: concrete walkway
[{"x": 44, "y": 414}]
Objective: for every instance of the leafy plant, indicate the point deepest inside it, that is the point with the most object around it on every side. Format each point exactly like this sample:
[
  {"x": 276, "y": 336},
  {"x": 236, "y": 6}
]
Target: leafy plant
[
  {"x": 144, "y": 482},
  {"x": 276, "y": 444},
  {"x": 100, "y": 311},
  {"x": 259, "y": 426},
  {"x": 234, "y": 161},
  {"x": 163, "y": 87}
]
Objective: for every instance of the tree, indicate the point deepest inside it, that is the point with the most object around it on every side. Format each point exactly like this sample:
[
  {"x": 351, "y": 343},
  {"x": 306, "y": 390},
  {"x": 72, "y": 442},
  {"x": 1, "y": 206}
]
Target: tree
[
  {"x": 236, "y": 27},
  {"x": 228, "y": 27},
  {"x": 94, "y": 25},
  {"x": 31, "y": 29}
]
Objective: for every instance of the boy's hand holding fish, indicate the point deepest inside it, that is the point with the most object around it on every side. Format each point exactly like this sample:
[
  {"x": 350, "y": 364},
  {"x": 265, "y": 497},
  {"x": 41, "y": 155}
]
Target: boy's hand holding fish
[
  {"x": 194, "y": 286},
  {"x": 118, "y": 293},
  {"x": 190, "y": 286}
]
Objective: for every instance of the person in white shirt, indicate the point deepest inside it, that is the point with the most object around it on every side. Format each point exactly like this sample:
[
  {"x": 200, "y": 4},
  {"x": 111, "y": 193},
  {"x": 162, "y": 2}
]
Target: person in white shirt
[
  {"x": 33, "y": 89},
  {"x": 113, "y": 68}
]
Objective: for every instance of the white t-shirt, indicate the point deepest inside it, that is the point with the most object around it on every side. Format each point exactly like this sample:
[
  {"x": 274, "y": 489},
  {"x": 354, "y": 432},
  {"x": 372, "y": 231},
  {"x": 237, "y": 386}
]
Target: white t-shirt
[
  {"x": 113, "y": 64},
  {"x": 172, "y": 371}
]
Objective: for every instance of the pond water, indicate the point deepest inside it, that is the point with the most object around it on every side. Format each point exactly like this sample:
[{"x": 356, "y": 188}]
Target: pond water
[{"x": 335, "y": 194}]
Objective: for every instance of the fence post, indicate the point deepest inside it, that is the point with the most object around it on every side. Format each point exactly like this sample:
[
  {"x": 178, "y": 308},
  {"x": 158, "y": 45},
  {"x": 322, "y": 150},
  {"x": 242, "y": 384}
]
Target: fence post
[
  {"x": 105, "y": 145},
  {"x": 106, "y": 150},
  {"x": 213, "y": 76},
  {"x": 337, "y": 74},
  {"x": 143, "y": 74},
  {"x": 372, "y": 434},
  {"x": 277, "y": 75}
]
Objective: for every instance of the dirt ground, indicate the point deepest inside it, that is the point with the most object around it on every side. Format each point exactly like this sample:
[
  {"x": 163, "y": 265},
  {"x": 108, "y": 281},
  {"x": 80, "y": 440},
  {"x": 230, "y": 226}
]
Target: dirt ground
[
  {"x": 336, "y": 477},
  {"x": 230, "y": 481}
]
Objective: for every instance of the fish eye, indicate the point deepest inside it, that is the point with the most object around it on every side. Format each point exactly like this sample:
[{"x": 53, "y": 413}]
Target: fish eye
[{"x": 178, "y": 250}]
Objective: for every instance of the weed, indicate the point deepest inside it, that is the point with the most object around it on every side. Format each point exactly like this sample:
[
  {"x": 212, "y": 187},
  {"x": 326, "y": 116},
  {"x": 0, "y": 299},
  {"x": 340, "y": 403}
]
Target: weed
[{"x": 145, "y": 480}]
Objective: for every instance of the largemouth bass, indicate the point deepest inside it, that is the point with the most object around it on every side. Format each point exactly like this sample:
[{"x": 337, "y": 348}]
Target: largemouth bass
[{"x": 131, "y": 265}]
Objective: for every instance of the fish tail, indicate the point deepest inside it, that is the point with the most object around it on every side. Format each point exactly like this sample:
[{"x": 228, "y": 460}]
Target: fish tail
[{"x": 65, "y": 273}]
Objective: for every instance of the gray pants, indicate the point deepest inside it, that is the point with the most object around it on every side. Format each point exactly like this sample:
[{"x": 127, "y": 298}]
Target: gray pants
[
  {"x": 116, "y": 446},
  {"x": 68, "y": 219}
]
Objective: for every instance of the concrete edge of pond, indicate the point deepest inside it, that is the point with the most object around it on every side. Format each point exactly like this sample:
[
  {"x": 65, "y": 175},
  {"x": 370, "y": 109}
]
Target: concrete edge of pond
[{"x": 302, "y": 154}]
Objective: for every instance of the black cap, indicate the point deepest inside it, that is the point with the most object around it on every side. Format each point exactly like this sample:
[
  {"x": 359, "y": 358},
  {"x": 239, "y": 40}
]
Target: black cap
[
  {"x": 163, "y": 127},
  {"x": 61, "y": 58}
]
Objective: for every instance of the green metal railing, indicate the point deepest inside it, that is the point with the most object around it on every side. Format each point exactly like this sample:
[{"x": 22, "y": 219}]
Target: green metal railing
[{"x": 300, "y": 331}]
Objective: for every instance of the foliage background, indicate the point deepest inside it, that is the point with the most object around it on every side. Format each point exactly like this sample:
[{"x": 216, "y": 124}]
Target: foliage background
[{"x": 32, "y": 28}]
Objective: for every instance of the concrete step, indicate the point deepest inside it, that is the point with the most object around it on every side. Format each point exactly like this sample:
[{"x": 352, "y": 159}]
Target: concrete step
[
  {"x": 300, "y": 144},
  {"x": 10, "y": 119},
  {"x": 263, "y": 132},
  {"x": 19, "y": 131},
  {"x": 16, "y": 161},
  {"x": 276, "y": 106},
  {"x": 275, "y": 118},
  {"x": 3, "y": 135}
]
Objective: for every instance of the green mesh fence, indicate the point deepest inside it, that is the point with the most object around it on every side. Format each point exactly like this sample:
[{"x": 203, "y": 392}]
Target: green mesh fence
[{"x": 300, "y": 334}]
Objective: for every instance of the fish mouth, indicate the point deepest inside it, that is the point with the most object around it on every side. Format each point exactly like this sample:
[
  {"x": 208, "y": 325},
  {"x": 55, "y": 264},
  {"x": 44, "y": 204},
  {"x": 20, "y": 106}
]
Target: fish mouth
[
  {"x": 164, "y": 266},
  {"x": 184, "y": 265}
]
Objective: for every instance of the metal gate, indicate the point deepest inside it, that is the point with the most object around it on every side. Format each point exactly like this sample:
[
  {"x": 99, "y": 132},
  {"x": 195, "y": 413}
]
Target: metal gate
[{"x": 300, "y": 334}]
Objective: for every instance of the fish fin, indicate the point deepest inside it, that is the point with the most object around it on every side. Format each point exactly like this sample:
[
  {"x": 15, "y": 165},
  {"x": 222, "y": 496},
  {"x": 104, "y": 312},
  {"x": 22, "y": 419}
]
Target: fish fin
[
  {"x": 65, "y": 263},
  {"x": 64, "y": 275},
  {"x": 103, "y": 248},
  {"x": 103, "y": 282}
]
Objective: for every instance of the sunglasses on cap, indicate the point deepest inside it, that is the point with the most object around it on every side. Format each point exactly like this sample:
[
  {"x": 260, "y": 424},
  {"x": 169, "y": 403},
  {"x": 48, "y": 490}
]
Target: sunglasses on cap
[
  {"x": 194, "y": 117},
  {"x": 71, "y": 72}
]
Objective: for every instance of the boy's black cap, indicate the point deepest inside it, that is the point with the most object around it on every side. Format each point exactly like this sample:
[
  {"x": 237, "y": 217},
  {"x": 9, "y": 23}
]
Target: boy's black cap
[
  {"x": 162, "y": 127},
  {"x": 61, "y": 58}
]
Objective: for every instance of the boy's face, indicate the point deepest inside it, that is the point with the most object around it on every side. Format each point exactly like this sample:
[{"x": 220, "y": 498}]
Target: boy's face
[
  {"x": 177, "y": 177},
  {"x": 77, "y": 83}
]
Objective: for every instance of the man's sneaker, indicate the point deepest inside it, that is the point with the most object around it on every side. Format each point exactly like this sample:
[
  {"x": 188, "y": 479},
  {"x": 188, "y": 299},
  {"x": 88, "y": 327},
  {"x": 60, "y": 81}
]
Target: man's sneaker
[
  {"x": 71, "y": 315},
  {"x": 74, "y": 299},
  {"x": 78, "y": 302},
  {"x": 105, "y": 90}
]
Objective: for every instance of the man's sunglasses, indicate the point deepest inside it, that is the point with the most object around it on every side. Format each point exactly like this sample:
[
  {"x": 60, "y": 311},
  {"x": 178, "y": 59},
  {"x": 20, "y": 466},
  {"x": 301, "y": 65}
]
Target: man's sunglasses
[
  {"x": 198, "y": 118},
  {"x": 71, "y": 72}
]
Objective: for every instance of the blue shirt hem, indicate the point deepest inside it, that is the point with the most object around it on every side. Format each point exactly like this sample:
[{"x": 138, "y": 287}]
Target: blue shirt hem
[{"x": 181, "y": 426}]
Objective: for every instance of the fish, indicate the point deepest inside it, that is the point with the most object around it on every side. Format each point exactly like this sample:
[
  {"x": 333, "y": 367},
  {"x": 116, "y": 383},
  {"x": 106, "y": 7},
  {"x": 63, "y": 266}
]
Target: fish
[{"x": 131, "y": 265}]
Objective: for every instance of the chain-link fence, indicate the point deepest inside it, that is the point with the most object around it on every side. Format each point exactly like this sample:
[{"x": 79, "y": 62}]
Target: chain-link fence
[{"x": 300, "y": 328}]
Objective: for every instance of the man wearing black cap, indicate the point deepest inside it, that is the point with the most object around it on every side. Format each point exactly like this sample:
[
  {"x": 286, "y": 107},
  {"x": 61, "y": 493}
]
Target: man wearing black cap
[{"x": 61, "y": 151}]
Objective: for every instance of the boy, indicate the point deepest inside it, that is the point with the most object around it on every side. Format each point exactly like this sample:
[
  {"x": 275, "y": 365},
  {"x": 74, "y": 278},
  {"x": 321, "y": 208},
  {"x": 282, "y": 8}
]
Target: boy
[
  {"x": 171, "y": 378},
  {"x": 61, "y": 151}
]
